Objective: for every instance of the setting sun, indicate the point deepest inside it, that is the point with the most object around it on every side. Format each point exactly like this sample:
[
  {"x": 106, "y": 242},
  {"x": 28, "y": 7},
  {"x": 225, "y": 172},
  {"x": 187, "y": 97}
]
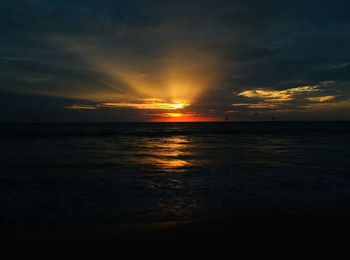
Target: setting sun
[
  {"x": 173, "y": 115},
  {"x": 184, "y": 117}
]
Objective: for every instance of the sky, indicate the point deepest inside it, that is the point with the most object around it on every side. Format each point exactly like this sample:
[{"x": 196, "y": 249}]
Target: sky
[{"x": 111, "y": 61}]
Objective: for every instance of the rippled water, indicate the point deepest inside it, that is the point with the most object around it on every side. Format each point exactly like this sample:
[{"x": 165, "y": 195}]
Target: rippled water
[{"x": 63, "y": 174}]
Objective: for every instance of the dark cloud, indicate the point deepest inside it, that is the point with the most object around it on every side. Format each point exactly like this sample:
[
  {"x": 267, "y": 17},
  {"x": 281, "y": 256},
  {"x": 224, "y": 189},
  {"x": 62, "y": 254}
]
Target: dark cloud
[{"x": 273, "y": 45}]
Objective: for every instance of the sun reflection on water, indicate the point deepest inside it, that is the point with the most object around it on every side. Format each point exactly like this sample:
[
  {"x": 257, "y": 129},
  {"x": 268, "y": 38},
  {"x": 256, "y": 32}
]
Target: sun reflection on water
[
  {"x": 167, "y": 160},
  {"x": 167, "y": 154}
]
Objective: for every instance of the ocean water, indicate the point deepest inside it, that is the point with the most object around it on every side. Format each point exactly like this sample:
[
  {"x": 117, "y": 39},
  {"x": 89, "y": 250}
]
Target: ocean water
[{"x": 92, "y": 174}]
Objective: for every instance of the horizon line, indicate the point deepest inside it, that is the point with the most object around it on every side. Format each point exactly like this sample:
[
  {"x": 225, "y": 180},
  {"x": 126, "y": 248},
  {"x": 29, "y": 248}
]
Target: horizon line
[{"x": 179, "y": 122}]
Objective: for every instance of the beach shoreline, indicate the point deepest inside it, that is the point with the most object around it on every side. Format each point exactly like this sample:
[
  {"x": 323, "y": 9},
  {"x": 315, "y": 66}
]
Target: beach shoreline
[{"x": 213, "y": 233}]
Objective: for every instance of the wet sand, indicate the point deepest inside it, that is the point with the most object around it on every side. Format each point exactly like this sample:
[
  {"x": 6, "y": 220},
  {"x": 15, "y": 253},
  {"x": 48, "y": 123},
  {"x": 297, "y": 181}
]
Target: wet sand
[{"x": 247, "y": 235}]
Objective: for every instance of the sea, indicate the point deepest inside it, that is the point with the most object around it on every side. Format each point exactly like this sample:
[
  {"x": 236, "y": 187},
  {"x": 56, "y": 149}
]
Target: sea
[{"x": 68, "y": 174}]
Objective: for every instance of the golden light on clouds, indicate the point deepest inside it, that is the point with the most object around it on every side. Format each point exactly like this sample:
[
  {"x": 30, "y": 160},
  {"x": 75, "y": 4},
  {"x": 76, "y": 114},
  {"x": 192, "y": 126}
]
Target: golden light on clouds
[
  {"x": 288, "y": 100},
  {"x": 142, "y": 104},
  {"x": 149, "y": 104},
  {"x": 277, "y": 95},
  {"x": 173, "y": 80},
  {"x": 321, "y": 99},
  {"x": 175, "y": 74},
  {"x": 255, "y": 106}
]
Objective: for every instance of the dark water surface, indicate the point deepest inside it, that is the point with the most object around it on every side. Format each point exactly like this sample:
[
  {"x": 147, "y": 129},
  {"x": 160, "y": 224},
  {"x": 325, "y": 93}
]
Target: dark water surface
[{"x": 69, "y": 174}]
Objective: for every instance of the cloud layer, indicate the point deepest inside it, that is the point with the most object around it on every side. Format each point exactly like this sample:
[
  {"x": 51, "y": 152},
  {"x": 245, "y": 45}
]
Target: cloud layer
[{"x": 113, "y": 60}]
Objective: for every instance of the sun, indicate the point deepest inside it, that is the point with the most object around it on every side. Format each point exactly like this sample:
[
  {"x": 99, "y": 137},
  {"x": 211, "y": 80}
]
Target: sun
[
  {"x": 174, "y": 115},
  {"x": 184, "y": 117}
]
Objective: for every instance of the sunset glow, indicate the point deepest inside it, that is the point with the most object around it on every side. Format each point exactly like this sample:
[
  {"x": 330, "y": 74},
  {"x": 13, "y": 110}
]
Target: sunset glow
[
  {"x": 149, "y": 104},
  {"x": 160, "y": 64},
  {"x": 176, "y": 115},
  {"x": 187, "y": 117},
  {"x": 190, "y": 128}
]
